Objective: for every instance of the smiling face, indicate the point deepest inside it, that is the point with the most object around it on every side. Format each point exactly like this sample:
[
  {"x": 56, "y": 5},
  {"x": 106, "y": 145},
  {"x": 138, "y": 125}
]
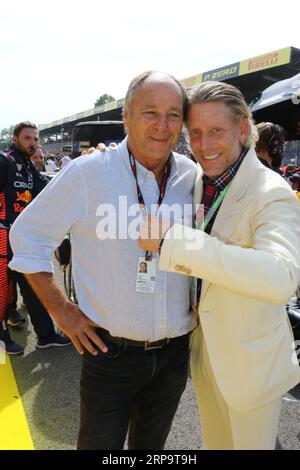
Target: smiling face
[
  {"x": 153, "y": 119},
  {"x": 216, "y": 140}
]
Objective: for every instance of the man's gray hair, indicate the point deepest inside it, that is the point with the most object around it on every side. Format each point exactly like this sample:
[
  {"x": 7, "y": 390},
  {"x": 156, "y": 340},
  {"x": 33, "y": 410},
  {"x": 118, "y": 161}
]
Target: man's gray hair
[
  {"x": 138, "y": 81},
  {"x": 232, "y": 98}
]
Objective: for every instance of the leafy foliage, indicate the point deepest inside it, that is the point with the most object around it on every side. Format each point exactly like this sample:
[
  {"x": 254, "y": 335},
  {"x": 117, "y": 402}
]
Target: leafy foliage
[
  {"x": 103, "y": 99},
  {"x": 6, "y": 137}
]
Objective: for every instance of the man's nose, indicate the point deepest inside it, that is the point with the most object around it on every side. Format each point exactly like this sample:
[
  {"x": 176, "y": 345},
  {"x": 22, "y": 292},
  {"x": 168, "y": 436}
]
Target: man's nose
[
  {"x": 161, "y": 121},
  {"x": 205, "y": 143},
  {"x": 202, "y": 143}
]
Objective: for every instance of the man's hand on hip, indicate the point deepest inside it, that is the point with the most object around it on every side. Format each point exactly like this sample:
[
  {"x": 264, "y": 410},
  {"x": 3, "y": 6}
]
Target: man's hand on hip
[
  {"x": 68, "y": 317},
  {"x": 80, "y": 329}
]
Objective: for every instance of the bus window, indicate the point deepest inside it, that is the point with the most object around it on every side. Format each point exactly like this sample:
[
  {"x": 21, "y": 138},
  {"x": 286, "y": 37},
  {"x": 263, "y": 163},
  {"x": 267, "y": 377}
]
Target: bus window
[{"x": 89, "y": 134}]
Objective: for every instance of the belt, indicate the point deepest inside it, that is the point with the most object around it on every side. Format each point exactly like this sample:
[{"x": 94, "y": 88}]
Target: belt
[{"x": 146, "y": 345}]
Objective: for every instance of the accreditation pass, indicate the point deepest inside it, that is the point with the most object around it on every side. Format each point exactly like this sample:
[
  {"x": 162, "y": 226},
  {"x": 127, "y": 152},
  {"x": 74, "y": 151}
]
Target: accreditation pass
[{"x": 146, "y": 275}]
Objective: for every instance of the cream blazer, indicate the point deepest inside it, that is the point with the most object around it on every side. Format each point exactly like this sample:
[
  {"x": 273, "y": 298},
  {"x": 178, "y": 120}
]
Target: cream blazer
[{"x": 250, "y": 266}]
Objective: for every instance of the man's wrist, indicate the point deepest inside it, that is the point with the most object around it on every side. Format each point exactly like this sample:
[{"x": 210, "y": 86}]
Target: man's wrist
[{"x": 163, "y": 237}]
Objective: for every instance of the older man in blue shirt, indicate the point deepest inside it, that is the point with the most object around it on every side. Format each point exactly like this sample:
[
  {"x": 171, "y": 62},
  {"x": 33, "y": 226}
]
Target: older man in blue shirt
[{"x": 133, "y": 328}]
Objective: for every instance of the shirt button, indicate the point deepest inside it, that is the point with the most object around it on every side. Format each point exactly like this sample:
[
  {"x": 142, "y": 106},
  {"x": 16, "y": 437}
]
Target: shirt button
[{"x": 160, "y": 296}]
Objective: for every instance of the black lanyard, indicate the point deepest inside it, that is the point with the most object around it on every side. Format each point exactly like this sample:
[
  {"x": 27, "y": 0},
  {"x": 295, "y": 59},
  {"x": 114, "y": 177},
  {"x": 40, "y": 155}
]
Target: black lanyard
[{"x": 163, "y": 187}]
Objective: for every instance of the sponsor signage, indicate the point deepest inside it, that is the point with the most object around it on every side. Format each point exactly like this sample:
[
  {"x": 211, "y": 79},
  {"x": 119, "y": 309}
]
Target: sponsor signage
[
  {"x": 272, "y": 59},
  {"x": 266, "y": 61},
  {"x": 191, "y": 82},
  {"x": 222, "y": 73}
]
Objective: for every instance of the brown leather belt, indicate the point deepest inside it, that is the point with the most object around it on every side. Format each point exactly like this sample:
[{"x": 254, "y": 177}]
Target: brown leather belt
[{"x": 147, "y": 345}]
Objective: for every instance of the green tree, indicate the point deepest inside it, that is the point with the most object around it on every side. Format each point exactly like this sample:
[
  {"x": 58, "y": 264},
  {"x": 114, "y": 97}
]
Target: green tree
[
  {"x": 103, "y": 99},
  {"x": 6, "y": 137}
]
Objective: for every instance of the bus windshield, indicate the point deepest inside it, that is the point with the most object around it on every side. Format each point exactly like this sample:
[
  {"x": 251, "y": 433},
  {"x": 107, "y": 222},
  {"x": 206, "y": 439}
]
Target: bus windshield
[{"x": 89, "y": 134}]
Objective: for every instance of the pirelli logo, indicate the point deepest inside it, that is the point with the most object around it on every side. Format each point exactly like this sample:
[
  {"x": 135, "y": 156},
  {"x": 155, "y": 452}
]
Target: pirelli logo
[
  {"x": 191, "y": 82},
  {"x": 262, "y": 62}
]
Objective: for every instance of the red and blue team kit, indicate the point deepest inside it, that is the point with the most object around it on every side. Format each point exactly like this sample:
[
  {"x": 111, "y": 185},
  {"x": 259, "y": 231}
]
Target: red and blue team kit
[{"x": 20, "y": 182}]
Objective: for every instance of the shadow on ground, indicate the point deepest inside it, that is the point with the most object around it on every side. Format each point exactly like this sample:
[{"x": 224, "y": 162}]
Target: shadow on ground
[{"x": 48, "y": 382}]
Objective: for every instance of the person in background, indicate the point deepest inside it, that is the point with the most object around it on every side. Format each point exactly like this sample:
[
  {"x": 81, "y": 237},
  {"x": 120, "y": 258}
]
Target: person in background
[
  {"x": 294, "y": 181},
  {"x": 290, "y": 169},
  {"x": 65, "y": 160},
  {"x": 38, "y": 158},
  {"x": 270, "y": 145},
  {"x": 20, "y": 182},
  {"x": 50, "y": 165},
  {"x": 14, "y": 318}
]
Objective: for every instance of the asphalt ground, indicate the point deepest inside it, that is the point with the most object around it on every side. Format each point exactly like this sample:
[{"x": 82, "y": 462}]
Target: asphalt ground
[{"x": 48, "y": 381}]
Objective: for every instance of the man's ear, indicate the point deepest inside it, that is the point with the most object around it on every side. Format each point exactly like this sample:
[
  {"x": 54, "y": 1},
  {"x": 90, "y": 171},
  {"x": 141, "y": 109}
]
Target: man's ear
[
  {"x": 14, "y": 139},
  {"x": 244, "y": 129},
  {"x": 125, "y": 116}
]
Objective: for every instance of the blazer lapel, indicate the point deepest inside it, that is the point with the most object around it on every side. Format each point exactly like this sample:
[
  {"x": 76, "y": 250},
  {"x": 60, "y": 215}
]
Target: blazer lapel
[
  {"x": 198, "y": 188},
  {"x": 233, "y": 205}
]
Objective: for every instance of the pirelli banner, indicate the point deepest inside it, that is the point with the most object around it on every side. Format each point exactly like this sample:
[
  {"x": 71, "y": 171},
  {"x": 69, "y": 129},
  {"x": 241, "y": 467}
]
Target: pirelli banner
[
  {"x": 192, "y": 82},
  {"x": 262, "y": 62},
  {"x": 266, "y": 61}
]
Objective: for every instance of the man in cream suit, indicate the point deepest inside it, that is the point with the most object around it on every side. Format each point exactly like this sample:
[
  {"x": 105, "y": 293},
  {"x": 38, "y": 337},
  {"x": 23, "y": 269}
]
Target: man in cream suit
[{"x": 246, "y": 257}]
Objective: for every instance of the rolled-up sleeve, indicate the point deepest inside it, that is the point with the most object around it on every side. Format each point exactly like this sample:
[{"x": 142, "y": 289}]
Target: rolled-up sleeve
[{"x": 41, "y": 227}]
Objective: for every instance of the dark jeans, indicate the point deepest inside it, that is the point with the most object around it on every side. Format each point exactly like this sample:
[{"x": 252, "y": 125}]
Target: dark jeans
[
  {"x": 130, "y": 387},
  {"x": 40, "y": 319},
  {"x": 13, "y": 305}
]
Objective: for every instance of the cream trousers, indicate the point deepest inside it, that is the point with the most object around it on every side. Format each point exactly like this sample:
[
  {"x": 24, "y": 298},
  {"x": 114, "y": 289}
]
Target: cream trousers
[{"x": 224, "y": 428}]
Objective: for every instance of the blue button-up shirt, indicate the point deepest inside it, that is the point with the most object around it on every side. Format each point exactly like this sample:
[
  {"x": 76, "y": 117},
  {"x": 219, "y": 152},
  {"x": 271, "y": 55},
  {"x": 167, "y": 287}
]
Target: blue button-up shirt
[{"x": 95, "y": 200}]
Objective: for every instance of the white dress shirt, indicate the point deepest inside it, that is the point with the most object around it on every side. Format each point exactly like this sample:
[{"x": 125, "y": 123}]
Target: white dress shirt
[{"x": 105, "y": 269}]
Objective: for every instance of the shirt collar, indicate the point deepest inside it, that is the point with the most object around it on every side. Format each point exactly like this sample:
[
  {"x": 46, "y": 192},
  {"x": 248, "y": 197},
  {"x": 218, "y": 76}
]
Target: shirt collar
[
  {"x": 143, "y": 171},
  {"x": 222, "y": 181}
]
